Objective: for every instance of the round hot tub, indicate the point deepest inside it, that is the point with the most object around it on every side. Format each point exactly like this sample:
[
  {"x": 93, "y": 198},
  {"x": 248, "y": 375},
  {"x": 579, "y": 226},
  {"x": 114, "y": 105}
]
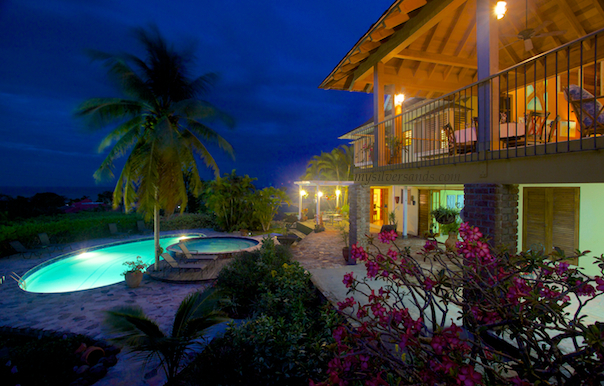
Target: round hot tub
[{"x": 204, "y": 247}]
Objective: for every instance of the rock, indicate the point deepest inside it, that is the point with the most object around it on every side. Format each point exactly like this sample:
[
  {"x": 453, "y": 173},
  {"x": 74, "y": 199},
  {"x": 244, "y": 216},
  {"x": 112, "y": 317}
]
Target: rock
[
  {"x": 82, "y": 369},
  {"x": 98, "y": 371},
  {"x": 109, "y": 361},
  {"x": 112, "y": 350}
]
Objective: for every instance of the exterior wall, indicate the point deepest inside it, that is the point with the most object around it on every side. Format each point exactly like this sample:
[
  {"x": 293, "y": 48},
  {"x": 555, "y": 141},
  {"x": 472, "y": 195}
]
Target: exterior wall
[
  {"x": 494, "y": 209},
  {"x": 359, "y": 214},
  {"x": 591, "y": 221}
]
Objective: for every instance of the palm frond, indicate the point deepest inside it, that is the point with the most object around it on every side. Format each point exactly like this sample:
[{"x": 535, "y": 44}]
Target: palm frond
[
  {"x": 200, "y": 130},
  {"x": 198, "y": 148},
  {"x": 100, "y": 112},
  {"x": 119, "y": 132}
]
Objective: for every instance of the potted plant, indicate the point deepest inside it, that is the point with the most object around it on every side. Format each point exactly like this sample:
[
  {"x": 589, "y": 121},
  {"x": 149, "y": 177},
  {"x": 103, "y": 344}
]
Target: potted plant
[
  {"x": 452, "y": 230},
  {"x": 134, "y": 273},
  {"x": 344, "y": 236},
  {"x": 444, "y": 215}
]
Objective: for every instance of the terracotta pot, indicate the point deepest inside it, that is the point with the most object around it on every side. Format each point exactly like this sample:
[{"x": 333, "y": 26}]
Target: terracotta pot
[
  {"x": 244, "y": 232},
  {"x": 133, "y": 279},
  {"x": 92, "y": 355},
  {"x": 451, "y": 241}
]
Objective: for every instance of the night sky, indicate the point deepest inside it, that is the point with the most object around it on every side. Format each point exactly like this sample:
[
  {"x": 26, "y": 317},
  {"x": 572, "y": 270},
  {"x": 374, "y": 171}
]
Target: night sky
[{"x": 270, "y": 56}]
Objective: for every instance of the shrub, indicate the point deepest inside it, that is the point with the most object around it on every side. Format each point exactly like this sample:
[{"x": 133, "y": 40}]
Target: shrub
[
  {"x": 469, "y": 317},
  {"x": 249, "y": 273},
  {"x": 188, "y": 221}
]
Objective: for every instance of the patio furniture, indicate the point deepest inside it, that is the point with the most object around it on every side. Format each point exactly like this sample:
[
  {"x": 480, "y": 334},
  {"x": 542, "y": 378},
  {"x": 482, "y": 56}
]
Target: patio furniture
[
  {"x": 587, "y": 109},
  {"x": 180, "y": 266},
  {"x": 188, "y": 256},
  {"x": 45, "y": 240},
  {"x": 142, "y": 228},
  {"x": 460, "y": 141},
  {"x": 114, "y": 232},
  {"x": 21, "y": 250}
]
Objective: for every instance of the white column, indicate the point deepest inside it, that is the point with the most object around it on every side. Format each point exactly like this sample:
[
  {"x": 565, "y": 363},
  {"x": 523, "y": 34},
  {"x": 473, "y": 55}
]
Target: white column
[
  {"x": 318, "y": 204},
  {"x": 392, "y": 205},
  {"x": 405, "y": 209},
  {"x": 300, "y": 205}
]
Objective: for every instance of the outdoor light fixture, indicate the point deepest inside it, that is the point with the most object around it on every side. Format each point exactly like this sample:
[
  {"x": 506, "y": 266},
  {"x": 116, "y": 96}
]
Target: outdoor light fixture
[
  {"x": 303, "y": 192},
  {"x": 320, "y": 194},
  {"x": 500, "y": 9},
  {"x": 338, "y": 192},
  {"x": 399, "y": 99}
]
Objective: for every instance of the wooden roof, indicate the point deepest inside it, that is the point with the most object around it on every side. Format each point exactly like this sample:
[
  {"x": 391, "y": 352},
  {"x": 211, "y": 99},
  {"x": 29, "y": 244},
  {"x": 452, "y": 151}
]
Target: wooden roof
[{"x": 428, "y": 47}]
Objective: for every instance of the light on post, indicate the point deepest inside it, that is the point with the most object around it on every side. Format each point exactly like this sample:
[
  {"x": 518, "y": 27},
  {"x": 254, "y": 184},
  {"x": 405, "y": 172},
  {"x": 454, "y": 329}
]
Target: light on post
[
  {"x": 500, "y": 9},
  {"x": 320, "y": 194},
  {"x": 303, "y": 193}
]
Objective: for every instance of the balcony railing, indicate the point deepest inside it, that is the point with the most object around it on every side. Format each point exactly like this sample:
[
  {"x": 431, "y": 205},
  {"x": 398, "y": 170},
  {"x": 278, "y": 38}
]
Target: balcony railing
[{"x": 549, "y": 104}]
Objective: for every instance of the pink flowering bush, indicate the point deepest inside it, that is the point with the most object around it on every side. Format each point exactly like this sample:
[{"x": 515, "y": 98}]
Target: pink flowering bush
[{"x": 468, "y": 317}]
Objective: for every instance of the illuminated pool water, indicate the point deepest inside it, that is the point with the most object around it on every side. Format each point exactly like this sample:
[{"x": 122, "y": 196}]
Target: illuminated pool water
[
  {"x": 215, "y": 245},
  {"x": 84, "y": 270}
]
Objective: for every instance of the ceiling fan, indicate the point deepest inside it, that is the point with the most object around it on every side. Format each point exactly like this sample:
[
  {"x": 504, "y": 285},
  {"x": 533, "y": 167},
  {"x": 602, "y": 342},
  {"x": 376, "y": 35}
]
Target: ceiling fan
[{"x": 527, "y": 34}]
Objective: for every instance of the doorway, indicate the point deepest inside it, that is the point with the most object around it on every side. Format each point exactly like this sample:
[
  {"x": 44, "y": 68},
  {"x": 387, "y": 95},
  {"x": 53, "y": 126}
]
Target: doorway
[{"x": 379, "y": 206}]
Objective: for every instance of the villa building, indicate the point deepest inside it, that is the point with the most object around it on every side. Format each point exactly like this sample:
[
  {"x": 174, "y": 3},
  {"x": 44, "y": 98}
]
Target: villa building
[{"x": 500, "y": 116}]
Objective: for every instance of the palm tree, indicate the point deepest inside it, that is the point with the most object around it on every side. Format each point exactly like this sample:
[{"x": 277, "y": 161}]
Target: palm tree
[
  {"x": 335, "y": 165},
  {"x": 196, "y": 313},
  {"x": 158, "y": 124}
]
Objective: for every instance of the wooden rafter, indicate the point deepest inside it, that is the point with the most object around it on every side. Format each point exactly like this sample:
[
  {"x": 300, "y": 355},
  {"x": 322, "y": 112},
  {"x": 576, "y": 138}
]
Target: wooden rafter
[
  {"x": 533, "y": 7},
  {"x": 437, "y": 58},
  {"x": 452, "y": 27},
  {"x": 574, "y": 22},
  {"x": 466, "y": 36},
  {"x": 422, "y": 84},
  {"x": 429, "y": 15}
]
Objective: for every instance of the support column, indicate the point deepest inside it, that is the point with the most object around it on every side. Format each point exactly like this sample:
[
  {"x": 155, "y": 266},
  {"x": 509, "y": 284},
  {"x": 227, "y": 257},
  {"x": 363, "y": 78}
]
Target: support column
[
  {"x": 493, "y": 208},
  {"x": 300, "y": 203},
  {"x": 318, "y": 205},
  {"x": 379, "y": 135},
  {"x": 487, "y": 46},
  {"x": 404, "y": 200},
  {"x": 359, "y": 214}
]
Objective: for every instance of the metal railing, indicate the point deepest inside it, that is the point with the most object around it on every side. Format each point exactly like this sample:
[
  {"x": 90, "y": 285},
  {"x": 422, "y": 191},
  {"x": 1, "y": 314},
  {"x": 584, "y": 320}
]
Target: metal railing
[{"x": 551, "y": 103}]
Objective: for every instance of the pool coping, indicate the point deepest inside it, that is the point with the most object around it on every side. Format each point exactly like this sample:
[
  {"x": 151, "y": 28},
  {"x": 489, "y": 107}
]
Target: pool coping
[{"x": 221, "y": 254}]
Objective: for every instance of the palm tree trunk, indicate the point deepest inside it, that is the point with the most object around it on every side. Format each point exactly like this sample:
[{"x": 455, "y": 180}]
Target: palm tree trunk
[{"x": 156, "y": 233}]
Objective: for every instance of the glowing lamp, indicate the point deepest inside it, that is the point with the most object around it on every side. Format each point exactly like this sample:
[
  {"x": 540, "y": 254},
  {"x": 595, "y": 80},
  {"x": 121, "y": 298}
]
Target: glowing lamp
[
  {"x": 320, "y": 194},
  {"x": 500, "y": 9},
  {"x": 338, "y": 192},
  {"x": 399, "y": 99},
  {"x": 303, "y": 192}
]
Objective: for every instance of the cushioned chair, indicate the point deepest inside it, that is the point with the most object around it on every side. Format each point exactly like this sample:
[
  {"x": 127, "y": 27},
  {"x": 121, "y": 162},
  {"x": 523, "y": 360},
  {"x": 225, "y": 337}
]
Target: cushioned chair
[
  {"x": 588, "y": 110},
  {"x": 45, "y": 240},
  {"x": 535, "y": 127},
  {"x": 27, "y": 253},
  {"x": 454, "y": 147}
]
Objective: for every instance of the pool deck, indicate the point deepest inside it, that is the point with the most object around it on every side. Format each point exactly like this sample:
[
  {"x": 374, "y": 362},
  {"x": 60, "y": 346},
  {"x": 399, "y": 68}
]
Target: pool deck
[{"x": 82, "y": 312}]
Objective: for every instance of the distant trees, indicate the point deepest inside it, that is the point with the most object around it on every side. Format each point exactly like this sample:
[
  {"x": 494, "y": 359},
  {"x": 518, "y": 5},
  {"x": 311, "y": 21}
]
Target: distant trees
[
  {"x": 160, "y": 125},
  {"x": 336, "y": 165},
  {"x": 239, "y": 205},
  {"x": 41, "y": 204}
]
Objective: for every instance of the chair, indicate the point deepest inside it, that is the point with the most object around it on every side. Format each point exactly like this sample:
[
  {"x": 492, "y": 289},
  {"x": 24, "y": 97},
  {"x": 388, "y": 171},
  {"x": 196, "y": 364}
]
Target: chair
[
  {"x": 535, "y": 128},
  {"x": 114, "y": 232},
  {"x": 454, "y": 147},
  {"x": 185, "y": 250},
  {"x": 21, "y": 250},
  {"x": 174, "y": 264},
  {"x": 587, "y": 109},
  {"x": 45, "y": 240},
  {"x": 142, "y": 228}
]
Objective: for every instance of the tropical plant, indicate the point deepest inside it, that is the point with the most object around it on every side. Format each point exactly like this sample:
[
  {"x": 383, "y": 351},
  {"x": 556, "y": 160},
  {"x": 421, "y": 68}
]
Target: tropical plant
[
  {"x": 471, "y": 316},
  {"x": 336, "y": 165},
  {"x": 267, "y": 203},
  {"x": 230, "y": 197},
  {"x": 196, "y": 313},
  {"x": 158, "y": 124},
  {"x": 445, "y": 215}
]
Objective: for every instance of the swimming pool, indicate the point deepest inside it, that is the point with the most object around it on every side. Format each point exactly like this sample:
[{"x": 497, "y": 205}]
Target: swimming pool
[
  {"x": 210, "y": 246},
  {"x": 93, "y": 268}
]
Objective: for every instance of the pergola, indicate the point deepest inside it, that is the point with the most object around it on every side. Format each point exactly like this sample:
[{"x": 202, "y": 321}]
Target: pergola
[{"x": 317, "y": 184}]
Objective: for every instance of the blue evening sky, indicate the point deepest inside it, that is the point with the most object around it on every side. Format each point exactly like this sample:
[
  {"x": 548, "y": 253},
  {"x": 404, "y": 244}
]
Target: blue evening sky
[{"x": 271, "y": 56}]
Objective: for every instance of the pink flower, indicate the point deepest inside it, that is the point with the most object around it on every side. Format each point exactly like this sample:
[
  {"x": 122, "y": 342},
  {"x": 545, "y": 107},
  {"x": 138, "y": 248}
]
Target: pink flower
[
  {"x": 358, "y": 253},
  {"x": 562, "y": 268},
  {"x": 600, "y": 283},
  {"x": 429, "y": 284},
  {"x": 392, "y": 254},
  {"x": 349, "y": 302},
  {"x": 468, "y": 377},
  {"x": 372, "y": 269},
  {"x": 430, "y": 245},
  {"x": 387, "y": 237},
  {"x": 584, "y": 289},
  {"x": 348, "y": 279}
]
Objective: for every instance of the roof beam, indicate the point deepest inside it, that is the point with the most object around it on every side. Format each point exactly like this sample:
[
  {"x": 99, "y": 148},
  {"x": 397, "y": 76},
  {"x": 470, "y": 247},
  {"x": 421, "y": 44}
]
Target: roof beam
[
  {"x": 574, "y": 22},
  {"x": 425, "y": 84},
  {"x": 430, "y": 15},
  {"x": 437, "y": 58}
]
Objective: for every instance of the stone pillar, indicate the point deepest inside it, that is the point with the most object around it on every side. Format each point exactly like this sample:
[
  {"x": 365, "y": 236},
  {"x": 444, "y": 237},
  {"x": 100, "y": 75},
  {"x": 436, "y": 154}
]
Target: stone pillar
[
  {"x": 494, "y": 209},
  {"x": 359, "y": 213}
]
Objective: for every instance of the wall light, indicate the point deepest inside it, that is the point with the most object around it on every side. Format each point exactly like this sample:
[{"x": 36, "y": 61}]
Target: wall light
[
  {"x": 303, "y": 192},
  {"x": 500, "y": 9},
  {"x": 399, "y": 99},
  {"x": 320, "y": 194}
]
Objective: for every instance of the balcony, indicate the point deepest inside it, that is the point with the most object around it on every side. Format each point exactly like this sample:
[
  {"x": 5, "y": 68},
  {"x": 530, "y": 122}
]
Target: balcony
[{"x": 549, "y": 104}]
